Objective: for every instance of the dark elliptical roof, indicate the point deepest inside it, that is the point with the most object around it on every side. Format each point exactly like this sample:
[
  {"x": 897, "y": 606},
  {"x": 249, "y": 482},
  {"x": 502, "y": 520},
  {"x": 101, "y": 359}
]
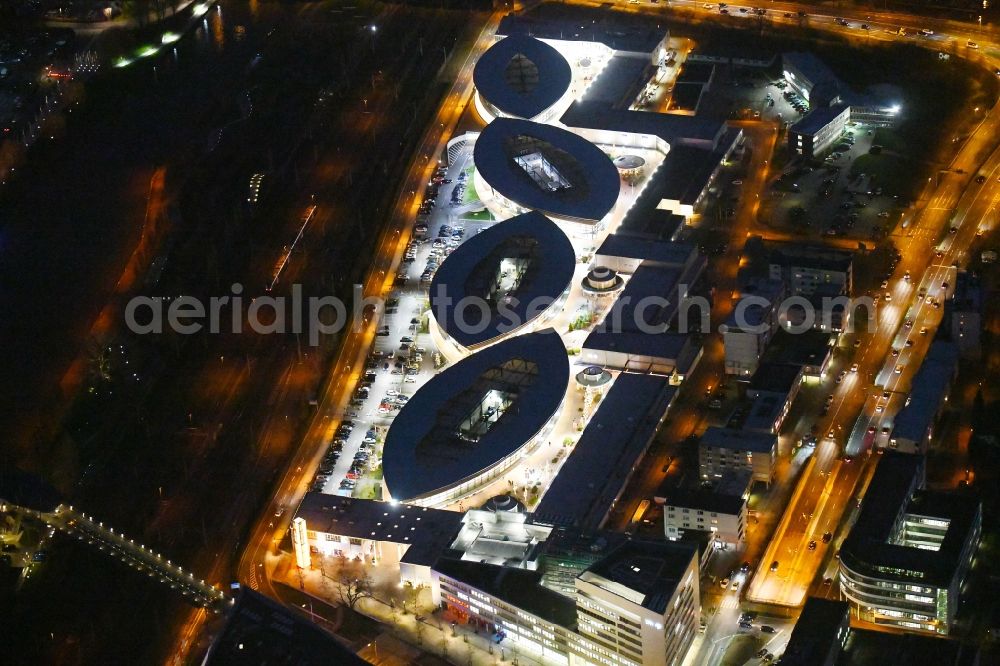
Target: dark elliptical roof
[
  {"x": 581, "y": 181},
  {"x": 471, "y": 271},
  {"x": 429, "y": 447},
  {"x": 522, "y": 76}
]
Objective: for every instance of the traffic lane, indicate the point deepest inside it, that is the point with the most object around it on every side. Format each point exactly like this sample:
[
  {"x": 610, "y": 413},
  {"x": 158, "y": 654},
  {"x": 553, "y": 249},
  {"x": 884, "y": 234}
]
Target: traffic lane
[{"x": 838, "y": 505}]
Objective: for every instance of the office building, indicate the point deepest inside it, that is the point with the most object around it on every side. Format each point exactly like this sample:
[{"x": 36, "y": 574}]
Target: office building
[
  {"x": 719, "y": 508},
  {"x": 819, "y": 634},
  {"x": 721, "y": 450},
  {"x": 963, "y": 315},
  {"x": 905, "y": 559},
  {"x": 805, "y": 268},
  {"x": 820, "y": 129},
  {"x": 637, "y": 605},
  {"x": 772, "y": 390},
  {"x": 913, "y": 428},
  {"x": 640, "y": 603},
  {"x": 750, "y": 327},
  {"x": 822, "y": 636}
]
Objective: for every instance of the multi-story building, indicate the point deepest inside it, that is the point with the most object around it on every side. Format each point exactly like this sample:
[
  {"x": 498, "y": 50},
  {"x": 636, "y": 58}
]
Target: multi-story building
[
  {"x": 540, "y": 591},
  {"x": 914, "y": 425},
  {"x": 818, "y": 130},
  {"x": 641, "y": 603},
  {"x": 637, "y": 606},
  {"x": 773, "y": 389},
  {"x": 823, "y": 636},
  {"x": 810, "y": 350},
  {"x": 819, "y": 634},
  {"x": 832, "y": 105},
  {"x": 510, "y": 604},
  {"x": 804, "y": 268},
  {"x": 720, "y": 509},
  {"x": 904, "y": 561},
  {"x": 750, "y": 327},
  {"x": 963, "y": 315},
  {"x": 724, "y": 449}
]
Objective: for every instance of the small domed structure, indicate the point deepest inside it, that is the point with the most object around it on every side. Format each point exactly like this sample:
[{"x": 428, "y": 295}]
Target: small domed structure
[
  {"x": 602, "y": 280},
  {"x": 499, "y": 503},
  {"x": 593, "y": 376}
]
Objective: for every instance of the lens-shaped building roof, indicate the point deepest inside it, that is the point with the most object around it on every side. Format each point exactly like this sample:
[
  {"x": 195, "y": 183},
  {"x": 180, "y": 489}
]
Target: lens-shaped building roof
[
  {"x": 521, "y": 77},
  {"x": 467, "y": 424},
  {"x": 548, "y": 169},
  {"x": 500, "y": 280}
]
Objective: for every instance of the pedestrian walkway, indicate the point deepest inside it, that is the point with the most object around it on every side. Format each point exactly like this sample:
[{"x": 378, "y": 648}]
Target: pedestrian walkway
[{"x": 427, "y": 629}]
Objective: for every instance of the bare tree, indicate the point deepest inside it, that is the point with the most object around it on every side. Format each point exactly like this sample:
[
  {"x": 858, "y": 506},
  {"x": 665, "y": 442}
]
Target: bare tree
[
  {"x": 353, "y": 590},
  {"x": 100, "y": 360}
]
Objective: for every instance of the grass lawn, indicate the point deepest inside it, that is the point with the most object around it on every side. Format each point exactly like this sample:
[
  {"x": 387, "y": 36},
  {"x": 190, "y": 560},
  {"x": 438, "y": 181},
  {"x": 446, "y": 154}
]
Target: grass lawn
[
  {"x": 478, "y": 216},
  {"x": 890, "y": 140},
  {"x": 470, "y": 193}
]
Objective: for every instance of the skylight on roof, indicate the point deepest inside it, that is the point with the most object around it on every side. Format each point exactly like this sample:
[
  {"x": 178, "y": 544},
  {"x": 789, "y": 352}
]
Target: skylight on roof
[
  {"x": 521, "y": 74},
  {"x": 542, "y": 172}
]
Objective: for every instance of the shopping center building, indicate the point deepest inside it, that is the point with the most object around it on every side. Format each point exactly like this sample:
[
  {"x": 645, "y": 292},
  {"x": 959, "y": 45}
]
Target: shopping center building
[
  {"x": 558, "y": 596},
  {"x": 475, "y": 420},
  {"x": 510, "y": 279}
]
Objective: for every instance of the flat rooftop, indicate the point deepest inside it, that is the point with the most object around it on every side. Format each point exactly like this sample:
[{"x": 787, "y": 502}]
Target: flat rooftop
[
  {"x": 968, "y": 296},
  {"x": 608, "y": 450},
  {"x": 548, "y": 169},
  {"x": 671, "y": 127},
  {"x": 778, "y": 378},
  {"x": 530, "y": 246},
  {"x": 506, "y": 538},
  {"x": 666, "y": 253},
  {"x": 649, "y": 571},
  {"x": 695, "y": 72},
  {"x": 428, "y": 532},
  {"x": 754, "y": 314},
  {"x": 619, "y": 83},
  {"x": 474, "y": 414},
  {"x": 877, "y": 648},
  {"x": 522, "y": 76},
  {"x": 818, "y": 118},
  {"x": 928, "y": 390},
  {"x": 704, "y": 499},
  {"x": 618, "y": 32},
  {"x": 650, "y": 222},
  {"x": 261, "y": 631},
  {"x": 809, "y": 348},
  {"x": 817, "y": 632},
  {"x": 809, "y": 256},
  {"x": 739, "y": 440},
  {"x": 686, "y": 96},
  {"x": 765, "y": 410},
  {"x": 666, "y": 345}
]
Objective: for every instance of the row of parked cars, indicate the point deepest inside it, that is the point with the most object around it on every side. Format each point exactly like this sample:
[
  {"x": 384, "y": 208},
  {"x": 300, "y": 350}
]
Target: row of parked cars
[
  {"x": 458, "y": 191},
  {"x": 796, "y": 101},
  {"x": 332, "y": 455}
]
